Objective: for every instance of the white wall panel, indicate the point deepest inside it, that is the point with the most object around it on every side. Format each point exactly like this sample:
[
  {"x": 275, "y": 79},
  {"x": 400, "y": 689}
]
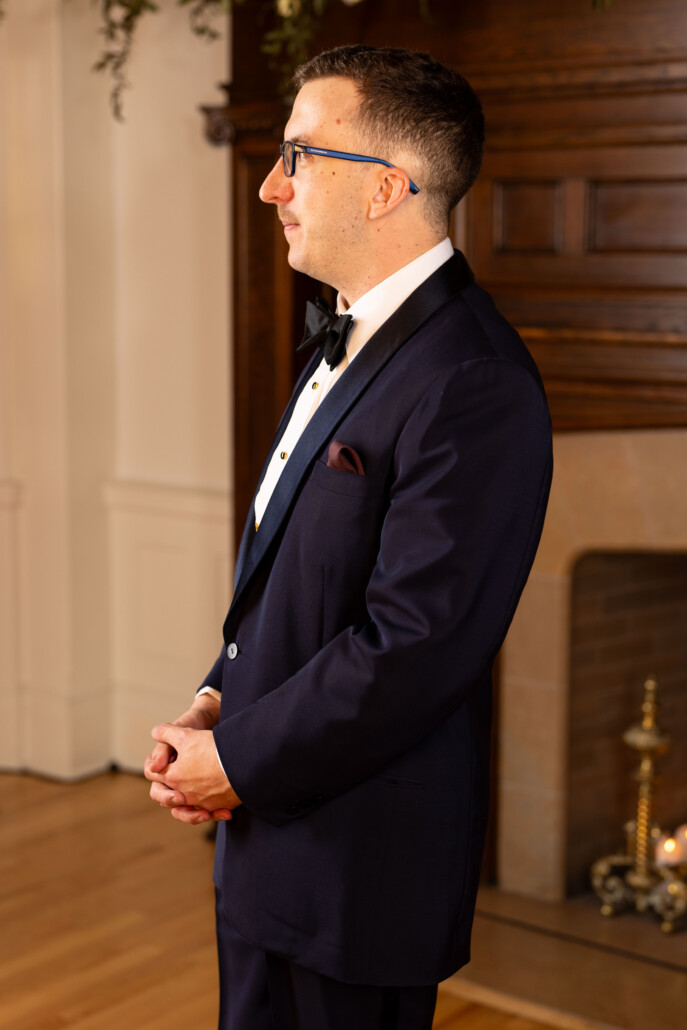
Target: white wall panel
[{"x": 170, "y": 574}]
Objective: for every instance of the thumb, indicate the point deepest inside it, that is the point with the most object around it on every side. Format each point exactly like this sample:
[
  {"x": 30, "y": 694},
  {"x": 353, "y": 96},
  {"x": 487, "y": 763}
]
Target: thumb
[{"x": 166, "y": 733}]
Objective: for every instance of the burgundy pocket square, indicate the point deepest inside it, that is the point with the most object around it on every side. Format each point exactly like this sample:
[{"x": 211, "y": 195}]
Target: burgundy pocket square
[{"x": 344, "y": 459}]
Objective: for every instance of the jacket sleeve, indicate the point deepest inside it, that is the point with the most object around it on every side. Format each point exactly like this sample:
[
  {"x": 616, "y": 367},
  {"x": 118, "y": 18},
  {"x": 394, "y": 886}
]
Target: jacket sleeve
[
  {"x": 472, "y": 470},
  {"x": 214, "y": 677}
]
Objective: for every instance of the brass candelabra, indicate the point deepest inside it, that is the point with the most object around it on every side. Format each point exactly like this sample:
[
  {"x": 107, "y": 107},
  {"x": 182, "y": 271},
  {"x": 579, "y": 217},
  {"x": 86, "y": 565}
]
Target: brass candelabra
[{"x": 640, "y": 878}]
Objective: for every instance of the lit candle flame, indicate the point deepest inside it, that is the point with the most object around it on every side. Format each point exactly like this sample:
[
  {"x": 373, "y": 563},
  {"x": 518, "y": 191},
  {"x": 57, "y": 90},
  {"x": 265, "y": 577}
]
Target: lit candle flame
[{"x": 672, "y": 851}]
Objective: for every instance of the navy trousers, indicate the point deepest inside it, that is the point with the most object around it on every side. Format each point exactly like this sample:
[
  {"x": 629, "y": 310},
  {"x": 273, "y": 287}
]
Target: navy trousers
[{"x": 259, "y": 991}]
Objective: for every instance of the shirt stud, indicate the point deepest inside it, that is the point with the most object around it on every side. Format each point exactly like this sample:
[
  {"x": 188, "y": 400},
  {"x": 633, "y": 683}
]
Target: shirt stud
[
  {"x": 315, "y": 386},
  {"x": 283, "y": 455}
]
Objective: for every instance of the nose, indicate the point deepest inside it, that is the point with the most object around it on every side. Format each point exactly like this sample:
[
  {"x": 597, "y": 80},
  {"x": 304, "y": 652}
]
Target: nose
[{"x": 276, "y": 188}]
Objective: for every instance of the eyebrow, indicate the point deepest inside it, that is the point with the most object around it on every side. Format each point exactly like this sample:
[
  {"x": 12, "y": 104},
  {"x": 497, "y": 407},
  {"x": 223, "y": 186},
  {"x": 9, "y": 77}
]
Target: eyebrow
[{"x": 305, "y": 141}]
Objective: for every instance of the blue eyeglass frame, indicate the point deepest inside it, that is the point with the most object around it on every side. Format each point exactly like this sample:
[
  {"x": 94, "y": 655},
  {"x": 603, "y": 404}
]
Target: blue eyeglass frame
[{"x": 300, "y": 148}]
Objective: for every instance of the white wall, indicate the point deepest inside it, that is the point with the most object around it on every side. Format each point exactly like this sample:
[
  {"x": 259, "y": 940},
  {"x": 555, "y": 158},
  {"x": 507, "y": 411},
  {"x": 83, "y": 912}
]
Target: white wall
[
  {"x": 113, "y": 380},
  {"x": 171, "y": 202}
]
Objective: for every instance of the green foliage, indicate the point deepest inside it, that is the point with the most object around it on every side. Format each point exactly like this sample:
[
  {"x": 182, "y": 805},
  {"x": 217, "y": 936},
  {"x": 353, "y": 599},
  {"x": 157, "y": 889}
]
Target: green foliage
[
  {"x": 201, "y": 14},
  {"x": 120, "y": 19},
  {"x": 288, "y": 42}
]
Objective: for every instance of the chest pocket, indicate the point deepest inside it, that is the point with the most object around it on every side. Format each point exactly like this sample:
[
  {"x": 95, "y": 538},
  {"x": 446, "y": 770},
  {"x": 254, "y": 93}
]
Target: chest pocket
[{"x": 346, "y": 484}]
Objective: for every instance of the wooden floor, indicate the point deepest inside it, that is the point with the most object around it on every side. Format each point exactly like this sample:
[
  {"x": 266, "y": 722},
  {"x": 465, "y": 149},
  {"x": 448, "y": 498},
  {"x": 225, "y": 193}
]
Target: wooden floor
[{"x": 106, "y": 915}]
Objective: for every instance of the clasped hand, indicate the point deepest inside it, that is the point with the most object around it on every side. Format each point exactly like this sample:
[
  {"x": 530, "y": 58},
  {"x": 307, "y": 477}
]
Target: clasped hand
[{"x": 185, "y": 770}]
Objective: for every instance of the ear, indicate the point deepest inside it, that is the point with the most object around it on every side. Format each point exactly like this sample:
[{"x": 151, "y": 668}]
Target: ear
[{"x": 393, "y": 188}]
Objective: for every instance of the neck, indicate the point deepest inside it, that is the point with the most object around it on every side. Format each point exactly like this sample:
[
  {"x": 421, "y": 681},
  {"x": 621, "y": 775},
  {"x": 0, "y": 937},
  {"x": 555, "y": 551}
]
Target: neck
[{"x": 382, "y": 257}]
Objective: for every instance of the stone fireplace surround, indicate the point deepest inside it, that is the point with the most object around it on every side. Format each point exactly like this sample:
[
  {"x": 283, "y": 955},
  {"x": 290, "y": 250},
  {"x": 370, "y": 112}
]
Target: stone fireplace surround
[{"x": 612, "y": 491}]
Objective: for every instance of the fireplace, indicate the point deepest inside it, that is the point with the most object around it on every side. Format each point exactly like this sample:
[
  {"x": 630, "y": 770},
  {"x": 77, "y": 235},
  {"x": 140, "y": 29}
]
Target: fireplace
[
  {"x": 617, "y": 525},
  {"x": 628, "y": 619}
]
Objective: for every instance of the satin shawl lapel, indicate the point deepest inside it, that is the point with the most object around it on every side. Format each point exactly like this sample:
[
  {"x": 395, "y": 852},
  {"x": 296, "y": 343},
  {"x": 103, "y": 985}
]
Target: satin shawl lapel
[
  {"x": 448, "y": 280},
  {"x": 249, "y": 528}
]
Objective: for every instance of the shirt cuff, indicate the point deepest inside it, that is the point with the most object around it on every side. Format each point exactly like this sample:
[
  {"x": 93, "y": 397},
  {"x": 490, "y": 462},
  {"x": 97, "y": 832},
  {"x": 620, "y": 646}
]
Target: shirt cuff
[{"x": 217, "y": 694}]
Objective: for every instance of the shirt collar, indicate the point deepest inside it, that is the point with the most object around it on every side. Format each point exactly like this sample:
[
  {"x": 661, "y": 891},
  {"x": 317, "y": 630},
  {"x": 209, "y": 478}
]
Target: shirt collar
[{"x": 377, "y": 305}]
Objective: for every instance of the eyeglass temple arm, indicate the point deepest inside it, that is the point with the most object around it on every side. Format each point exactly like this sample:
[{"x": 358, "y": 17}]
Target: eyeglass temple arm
[
  {"x": 358, "y": 157},
  {"x": 349, "y": 157}
]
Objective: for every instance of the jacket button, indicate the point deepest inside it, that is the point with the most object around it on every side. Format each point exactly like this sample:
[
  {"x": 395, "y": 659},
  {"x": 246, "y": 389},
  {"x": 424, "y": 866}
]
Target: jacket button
[{"x": 232, "y": 651}]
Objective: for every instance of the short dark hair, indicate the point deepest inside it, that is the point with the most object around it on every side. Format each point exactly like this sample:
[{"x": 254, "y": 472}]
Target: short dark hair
[{"x": 410, "y": 101}]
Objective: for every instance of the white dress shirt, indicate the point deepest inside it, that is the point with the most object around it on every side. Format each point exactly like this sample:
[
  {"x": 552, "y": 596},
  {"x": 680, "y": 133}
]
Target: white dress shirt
[{"x": 369, "y": 313}]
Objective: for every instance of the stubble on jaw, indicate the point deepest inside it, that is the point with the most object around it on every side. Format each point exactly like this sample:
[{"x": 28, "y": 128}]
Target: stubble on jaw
[
  {"x": 333, "y": 250},
  {"x": 346, "y": 275}
]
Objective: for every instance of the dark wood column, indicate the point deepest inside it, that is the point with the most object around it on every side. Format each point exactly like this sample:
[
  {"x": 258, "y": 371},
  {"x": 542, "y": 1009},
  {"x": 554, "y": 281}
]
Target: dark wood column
[
  {"x": 262, "y": 308},
  {"x": 268, "y": 298}
]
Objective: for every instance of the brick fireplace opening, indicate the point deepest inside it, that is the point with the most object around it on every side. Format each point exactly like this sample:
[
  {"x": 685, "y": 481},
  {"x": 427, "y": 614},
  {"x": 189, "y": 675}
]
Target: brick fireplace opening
[
  {"x": 617, "y": 514},
  {"x": 628, "y": 620}
]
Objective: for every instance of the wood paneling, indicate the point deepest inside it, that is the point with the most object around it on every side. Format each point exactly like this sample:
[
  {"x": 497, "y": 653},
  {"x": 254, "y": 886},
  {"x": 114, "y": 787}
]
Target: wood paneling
[
  {"x": 578, "y": 222},
  {"x": 604, "y": 310},
  {"x": 577, "y": 225},
  {"x": 622, "y": 214},
  {"x": 527, "y": 217},
  {"x": 637, "y": 216}
]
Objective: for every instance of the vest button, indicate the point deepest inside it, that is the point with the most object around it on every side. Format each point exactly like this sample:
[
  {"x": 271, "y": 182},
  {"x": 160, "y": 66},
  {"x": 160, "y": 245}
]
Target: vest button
[{"x": 232, "y": 651}]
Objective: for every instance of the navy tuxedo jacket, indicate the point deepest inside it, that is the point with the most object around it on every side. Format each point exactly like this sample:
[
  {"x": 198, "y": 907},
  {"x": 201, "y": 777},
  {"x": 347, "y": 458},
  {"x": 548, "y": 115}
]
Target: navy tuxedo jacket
[{"x": 356, "y": 690}]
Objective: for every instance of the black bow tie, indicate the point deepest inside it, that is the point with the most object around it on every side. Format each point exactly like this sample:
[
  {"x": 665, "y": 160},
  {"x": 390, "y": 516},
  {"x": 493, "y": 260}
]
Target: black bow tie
[{"x": 325, "y": 329}]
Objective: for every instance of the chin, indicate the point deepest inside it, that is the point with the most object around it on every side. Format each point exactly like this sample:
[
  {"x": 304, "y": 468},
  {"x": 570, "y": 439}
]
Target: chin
[
  {"x": 296, "y": 259},
  {"x": 292, "y": 259},
  {"x": 300, "y": 263}
]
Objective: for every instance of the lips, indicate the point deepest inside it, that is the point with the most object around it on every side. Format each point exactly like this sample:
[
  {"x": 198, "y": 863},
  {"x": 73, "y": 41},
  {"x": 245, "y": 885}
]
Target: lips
[{"x": 288, "y": 221}]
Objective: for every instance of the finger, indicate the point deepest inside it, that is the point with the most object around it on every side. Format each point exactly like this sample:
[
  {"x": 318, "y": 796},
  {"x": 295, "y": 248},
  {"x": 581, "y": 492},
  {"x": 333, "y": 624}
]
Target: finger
[
  {"x": 167, "y": 733},
  {"x": 161, "y": 777},
  {"x": 165, "y": 796},
  {"x": 191, "y": 816},
  {"x": 156, "y": 762},
  {"x": 221, "y": 815},
  {"x": 160, "y": 757}
]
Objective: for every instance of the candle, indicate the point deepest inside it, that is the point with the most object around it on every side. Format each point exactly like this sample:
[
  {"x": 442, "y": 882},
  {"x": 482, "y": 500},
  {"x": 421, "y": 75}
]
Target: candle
[{"x": 666, "y": 851}]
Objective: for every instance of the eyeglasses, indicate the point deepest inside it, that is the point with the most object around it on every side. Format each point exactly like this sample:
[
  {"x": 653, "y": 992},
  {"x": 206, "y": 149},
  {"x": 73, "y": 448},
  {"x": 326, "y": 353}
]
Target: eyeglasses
[{"x": 289, "y": 151}]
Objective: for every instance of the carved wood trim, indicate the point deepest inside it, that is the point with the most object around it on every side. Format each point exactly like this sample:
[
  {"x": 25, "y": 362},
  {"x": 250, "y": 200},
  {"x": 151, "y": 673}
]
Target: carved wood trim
[
  {"x": 527, "y": 138},
  {"x": 611, "y": 379},
  {"x": 227, "y": 123},
  {"x": 569, "y": 78}
]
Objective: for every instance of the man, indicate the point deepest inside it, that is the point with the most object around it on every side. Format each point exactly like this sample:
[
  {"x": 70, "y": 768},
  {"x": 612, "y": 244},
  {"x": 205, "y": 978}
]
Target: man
[{"x": 393, "y": 530}]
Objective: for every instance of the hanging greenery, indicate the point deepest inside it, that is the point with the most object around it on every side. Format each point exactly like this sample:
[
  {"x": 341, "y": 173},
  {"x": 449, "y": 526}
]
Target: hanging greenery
[
  {"x": 120, "y": 20},
  {"x": 287, "y": 42}
]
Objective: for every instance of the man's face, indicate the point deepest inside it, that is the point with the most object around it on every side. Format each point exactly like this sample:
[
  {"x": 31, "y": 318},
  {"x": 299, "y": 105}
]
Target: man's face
[{"x": 323, "y": 206}]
